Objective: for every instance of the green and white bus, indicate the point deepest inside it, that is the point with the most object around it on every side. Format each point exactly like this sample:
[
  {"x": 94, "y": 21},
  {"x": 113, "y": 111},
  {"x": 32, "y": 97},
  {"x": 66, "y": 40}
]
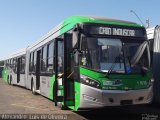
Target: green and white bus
[{"x": 86, "y": 62}]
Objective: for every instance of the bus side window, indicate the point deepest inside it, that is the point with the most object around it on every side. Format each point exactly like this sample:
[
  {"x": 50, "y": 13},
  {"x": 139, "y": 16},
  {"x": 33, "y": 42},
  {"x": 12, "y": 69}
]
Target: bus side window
[
  {"x": 60, "y": 56},
  {"x": 43, "y": 59},
  {"x": 22, "y": 64},
  {"x": 34, "y": 61},
  {"x": 11, "y": 63},
  {"x": 30, "y": 57},
  {"x": 14, "y": 64},
  {"x": 31, "y": 61},
  {"x": 7, "y": 64},
  {"x": 50, "y": 54}
]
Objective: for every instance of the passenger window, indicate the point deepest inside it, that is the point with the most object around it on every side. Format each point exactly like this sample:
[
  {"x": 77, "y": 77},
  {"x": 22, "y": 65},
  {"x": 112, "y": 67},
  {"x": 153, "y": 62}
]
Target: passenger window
[
  {"x": 34, "y": 62},
  {"x": 43, "y": 60},
  {"x": 23, "y": 64},
  {"x": 30, "y": 62},
  {"x": 14, "y": 64},
  {"x": 50, "y": 55}
]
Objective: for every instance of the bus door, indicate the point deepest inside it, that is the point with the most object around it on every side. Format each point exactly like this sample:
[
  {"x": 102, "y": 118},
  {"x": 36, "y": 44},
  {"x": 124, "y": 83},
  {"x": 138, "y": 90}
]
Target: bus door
[
  {"x": 65, "y": 85},
  {"x": 18, "y": 69},
  {"x": 38, "y": 61}
]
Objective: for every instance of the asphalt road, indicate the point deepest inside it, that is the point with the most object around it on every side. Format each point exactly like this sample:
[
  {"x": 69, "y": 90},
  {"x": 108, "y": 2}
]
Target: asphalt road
[{"x": 17, "y": 100}]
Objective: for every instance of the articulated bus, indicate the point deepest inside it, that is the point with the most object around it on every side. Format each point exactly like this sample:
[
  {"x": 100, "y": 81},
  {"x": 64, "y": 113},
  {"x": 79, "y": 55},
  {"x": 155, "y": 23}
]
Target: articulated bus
[
  {"x": 14, "y": 70},
  {"x": 86, "y": 62},
  {"x": 153, "y": 35}
]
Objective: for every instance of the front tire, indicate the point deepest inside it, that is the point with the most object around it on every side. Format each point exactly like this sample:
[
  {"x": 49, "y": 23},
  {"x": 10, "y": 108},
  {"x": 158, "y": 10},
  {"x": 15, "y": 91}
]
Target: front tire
[{"x": 8, "y": 81}]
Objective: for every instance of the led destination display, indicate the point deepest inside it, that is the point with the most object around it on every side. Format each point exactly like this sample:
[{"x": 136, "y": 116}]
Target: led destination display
[{"x": 114, "y": 31}]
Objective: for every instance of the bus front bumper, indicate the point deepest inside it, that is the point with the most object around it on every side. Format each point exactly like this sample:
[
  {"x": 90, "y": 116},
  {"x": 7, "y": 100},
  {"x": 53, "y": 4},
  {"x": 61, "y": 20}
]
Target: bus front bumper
[{"x": 93, "y": 98}]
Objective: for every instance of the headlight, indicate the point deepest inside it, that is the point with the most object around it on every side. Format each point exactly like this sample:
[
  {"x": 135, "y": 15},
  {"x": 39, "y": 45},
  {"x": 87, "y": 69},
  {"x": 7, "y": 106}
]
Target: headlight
[{"x": 90, "y": 82}]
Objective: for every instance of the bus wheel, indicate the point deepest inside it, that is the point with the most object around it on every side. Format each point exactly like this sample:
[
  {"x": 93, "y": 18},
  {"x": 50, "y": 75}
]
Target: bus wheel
[
  {"x": 33, "y": 88},
  {"x": 11, "y": 80},
  {"x": 8, "y": 80}
]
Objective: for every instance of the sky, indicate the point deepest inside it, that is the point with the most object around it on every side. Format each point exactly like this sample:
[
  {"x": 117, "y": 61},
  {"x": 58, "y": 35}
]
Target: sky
[{"x": 22, "y": 22}]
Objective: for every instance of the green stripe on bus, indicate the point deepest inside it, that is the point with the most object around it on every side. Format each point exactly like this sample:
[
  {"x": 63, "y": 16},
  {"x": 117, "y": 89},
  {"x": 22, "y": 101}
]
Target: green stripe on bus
[
  {"x": 130, "y": 81},
  {"x": 51, "y": 96},
  {"x": 4, "y": 74}
]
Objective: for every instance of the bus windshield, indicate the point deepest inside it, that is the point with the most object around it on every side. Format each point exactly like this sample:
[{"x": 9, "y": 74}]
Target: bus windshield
[{"x": 112, "y": 55}]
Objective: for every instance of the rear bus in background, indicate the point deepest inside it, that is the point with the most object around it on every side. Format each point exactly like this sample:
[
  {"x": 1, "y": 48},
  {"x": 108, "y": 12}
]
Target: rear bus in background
[
  {"x": 153, "y": 35},
  {"x": 89, "y": 62}
]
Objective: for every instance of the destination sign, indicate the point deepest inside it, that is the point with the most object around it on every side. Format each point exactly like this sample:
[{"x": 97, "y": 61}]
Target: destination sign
[
  {"x": 116, "y": 31},
  {"x": 113, "y": 30}
]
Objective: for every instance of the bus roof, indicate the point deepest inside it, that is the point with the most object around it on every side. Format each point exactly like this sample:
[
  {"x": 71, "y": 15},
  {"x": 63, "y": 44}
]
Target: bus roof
[
  {"x": 98, "y": 19},
  {"x": 16, "y": 54},
  {"x": 70, "y": 22}
]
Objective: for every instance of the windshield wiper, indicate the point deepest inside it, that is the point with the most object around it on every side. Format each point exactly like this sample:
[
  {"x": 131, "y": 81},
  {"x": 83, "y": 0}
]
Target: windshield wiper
[
  {"x": 113, "y": 64},
  {"x": 128, "y": 67}
]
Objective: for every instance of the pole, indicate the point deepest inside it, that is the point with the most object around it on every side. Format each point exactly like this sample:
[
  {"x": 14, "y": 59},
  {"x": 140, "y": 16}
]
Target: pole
[{"x": 137, "y": 16}]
